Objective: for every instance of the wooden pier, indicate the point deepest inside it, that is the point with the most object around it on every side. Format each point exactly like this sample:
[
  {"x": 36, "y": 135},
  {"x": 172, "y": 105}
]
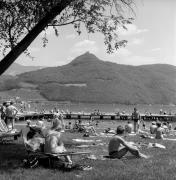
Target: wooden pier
[{"x": 88, "y": 116}]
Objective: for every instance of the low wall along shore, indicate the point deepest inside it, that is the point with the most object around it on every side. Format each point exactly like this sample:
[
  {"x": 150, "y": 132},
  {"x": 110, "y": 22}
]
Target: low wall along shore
[{"x": 153, "y": 117}]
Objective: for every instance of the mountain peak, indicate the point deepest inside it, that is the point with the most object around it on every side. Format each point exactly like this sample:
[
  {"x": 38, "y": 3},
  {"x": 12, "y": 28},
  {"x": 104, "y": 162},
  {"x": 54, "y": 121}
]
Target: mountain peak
[{"x": 84, "y": 58}]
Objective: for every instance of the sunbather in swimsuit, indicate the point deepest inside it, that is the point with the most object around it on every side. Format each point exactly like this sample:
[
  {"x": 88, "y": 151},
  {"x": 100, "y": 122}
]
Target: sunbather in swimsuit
[
  {"x": 118, "y": 147},
  {"x": 54, "y": 144}
]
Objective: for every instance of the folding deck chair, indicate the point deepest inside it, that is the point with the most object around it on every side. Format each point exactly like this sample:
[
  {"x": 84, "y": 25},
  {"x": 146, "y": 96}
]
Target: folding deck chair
[
  {"x": 6, "y": 135},
  {"x": 49, "y": 156}
]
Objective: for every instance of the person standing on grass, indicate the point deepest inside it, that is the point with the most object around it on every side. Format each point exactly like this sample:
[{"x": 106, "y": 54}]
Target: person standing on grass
[
  {"x": 118, "y": 147},
  {"x": 3, "y": 127},
  {"x": 136, "y": 118},
  {"x": 2, "y": 110},
  {"x": 10, "y": 112}
]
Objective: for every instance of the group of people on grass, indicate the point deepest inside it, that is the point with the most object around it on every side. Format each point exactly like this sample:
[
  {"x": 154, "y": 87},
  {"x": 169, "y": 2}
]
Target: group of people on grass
[
  {"x": 118, "y": 147},
  {"x": 86, "y": 128},
  {"x": 48, "y": 139},
  {"x": 51, "y": 140},
  {"x": 160, "y": 129}
]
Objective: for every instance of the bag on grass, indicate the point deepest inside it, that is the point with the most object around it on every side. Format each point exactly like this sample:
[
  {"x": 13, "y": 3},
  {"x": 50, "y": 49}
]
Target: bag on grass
[{"x": 31, "y": 162}]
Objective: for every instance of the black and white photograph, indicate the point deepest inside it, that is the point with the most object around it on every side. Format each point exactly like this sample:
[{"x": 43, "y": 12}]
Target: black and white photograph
[{"x": 87, "y": 89}]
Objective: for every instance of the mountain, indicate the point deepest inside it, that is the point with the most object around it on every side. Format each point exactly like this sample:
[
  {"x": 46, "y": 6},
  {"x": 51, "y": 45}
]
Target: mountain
[
  {"x": 89, "y": 79},
  {"x": 16, "y": 68}
]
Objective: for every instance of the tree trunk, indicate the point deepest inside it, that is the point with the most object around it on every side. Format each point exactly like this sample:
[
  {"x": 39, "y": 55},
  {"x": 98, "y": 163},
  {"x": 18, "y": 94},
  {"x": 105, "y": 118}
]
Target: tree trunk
[{"x": 29, "y": 38}]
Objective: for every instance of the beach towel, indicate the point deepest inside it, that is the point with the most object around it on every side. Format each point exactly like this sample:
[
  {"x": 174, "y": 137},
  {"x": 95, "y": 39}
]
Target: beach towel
[
  {"x": 169, "y": 139},
  {"x": 156, "y": 145},
  {"x": 106, "y": 135},
  {"x": 83, "y": 140},
  {"x": 86, "y": 140}
]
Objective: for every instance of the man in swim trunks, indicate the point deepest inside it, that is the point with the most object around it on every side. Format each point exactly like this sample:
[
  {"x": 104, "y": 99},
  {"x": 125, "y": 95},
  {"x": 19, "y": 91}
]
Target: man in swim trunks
[
  {"x": 118, "y": 147},
  {"x": 10, "y": 112},
  {"x": 136, "y": 118}
]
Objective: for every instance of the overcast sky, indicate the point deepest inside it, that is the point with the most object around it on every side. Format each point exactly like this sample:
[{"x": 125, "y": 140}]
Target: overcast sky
[{"x": 151, "y": 39}]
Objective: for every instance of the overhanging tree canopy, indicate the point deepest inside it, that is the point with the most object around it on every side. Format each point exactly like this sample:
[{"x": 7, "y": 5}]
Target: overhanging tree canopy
[{"x": 21, "y": 21}]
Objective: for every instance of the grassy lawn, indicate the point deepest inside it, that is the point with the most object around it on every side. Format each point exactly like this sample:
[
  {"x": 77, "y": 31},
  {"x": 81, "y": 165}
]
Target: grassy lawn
[{"x": 161, "y": 164}]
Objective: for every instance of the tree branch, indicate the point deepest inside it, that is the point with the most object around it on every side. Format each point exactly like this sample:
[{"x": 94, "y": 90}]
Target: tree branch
[
  {"x": 28, "y": 39},
  {"x": 63, "y": 24}
]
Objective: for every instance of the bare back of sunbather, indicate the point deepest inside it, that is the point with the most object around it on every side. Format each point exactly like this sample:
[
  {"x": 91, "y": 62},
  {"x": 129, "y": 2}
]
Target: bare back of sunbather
[
  {"x": 53, "y": 143},
  {"x": 116, "y": 149}
]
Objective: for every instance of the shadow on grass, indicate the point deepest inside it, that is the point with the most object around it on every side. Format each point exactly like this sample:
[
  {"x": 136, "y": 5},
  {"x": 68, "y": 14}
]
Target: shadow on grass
[{"x": 11, "y": 156}]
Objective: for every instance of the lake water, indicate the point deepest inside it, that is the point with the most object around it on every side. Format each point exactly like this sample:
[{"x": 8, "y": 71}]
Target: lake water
[{"x": 111, "y": 108}]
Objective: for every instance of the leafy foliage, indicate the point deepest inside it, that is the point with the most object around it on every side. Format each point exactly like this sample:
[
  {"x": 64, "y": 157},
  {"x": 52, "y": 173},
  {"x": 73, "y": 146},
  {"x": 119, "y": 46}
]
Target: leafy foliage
[{"x": 18, "y": 18}]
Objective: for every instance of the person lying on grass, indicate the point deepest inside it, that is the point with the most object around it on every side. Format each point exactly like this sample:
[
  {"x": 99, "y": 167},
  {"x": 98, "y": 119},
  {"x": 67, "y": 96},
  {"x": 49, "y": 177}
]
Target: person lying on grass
[
  {"x": 109, "y": 130},
  {"x": 118, "y": 147},
  {"x": 87, "y": 128}
]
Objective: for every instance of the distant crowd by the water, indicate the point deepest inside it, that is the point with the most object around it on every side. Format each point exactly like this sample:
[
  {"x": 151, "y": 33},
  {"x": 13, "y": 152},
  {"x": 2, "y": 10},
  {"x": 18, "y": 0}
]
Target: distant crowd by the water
[
  {"x": 9, "y": 113},
  {"x": 22, "y": 108},
  {"x": 25, "y": 106}
]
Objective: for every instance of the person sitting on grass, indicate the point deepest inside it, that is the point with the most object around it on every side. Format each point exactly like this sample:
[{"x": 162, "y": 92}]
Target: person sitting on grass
[
  {"x": 153, "y": 128},
  {"x": 169, "y": 125},
  {"x": 50, "y": 139},
  {"x": 35, "y": 143},
  {"x": 90, "y": 129},
  {"x": 118, "y": 147},
  {"x": 68, "y": 126},
  {"x": 159, "y": 131},
  {"x": 33, "y": 140},
  {"x": 129, "y": 127},
  {"x": 86, "y": 128},
  {"x": 165, "y": 128},
  {"x": 54, "y": 145},
  {"x": 58, "y": 122}
]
